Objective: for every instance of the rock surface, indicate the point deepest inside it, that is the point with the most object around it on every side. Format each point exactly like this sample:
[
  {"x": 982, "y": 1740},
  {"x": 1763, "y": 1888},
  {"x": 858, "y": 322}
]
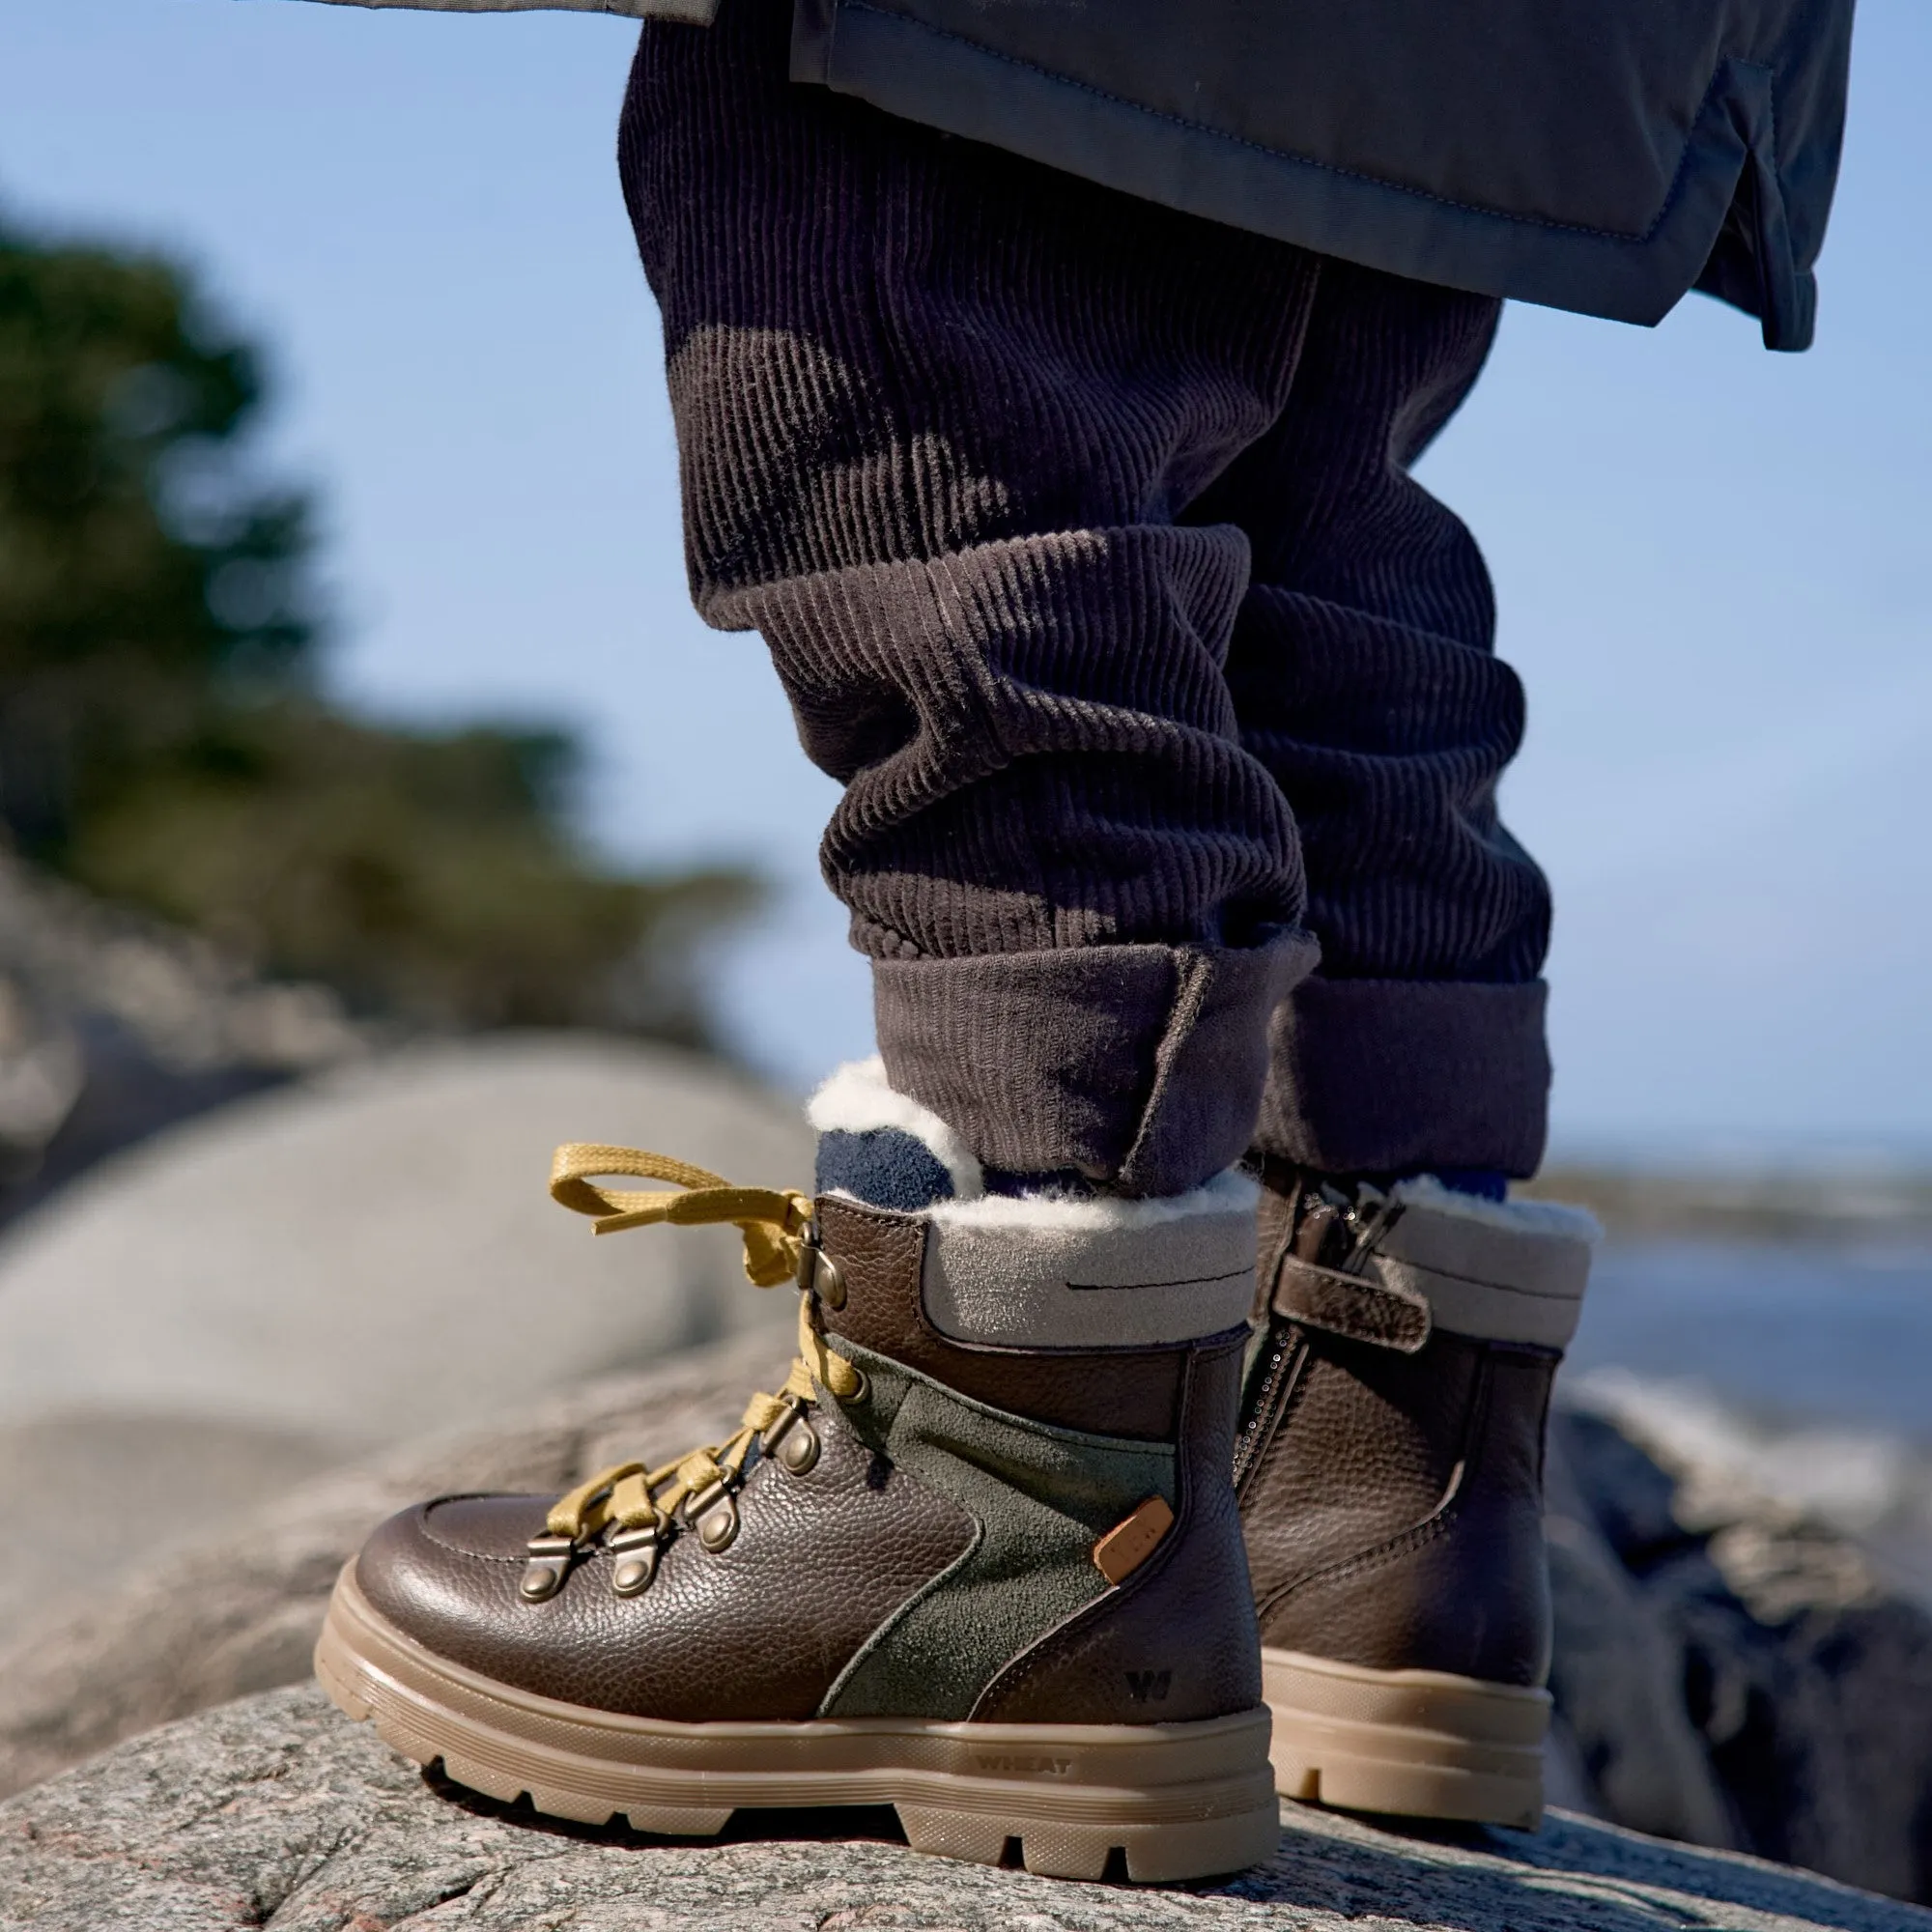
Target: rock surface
[
  {"x": 278, "y": 1813},
  {"x": 275, "y": 1289},
  {"x": 239, "y": 1613},
  {"x": 1729, "y": 1668},
  {"x": 1726, "y": 1673},
  {"x": 374, "y": 1254}
]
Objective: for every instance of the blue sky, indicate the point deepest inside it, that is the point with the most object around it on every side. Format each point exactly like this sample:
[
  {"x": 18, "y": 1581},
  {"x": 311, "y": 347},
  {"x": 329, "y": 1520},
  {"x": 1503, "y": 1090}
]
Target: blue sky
[{"x": 1714, "y": 565}]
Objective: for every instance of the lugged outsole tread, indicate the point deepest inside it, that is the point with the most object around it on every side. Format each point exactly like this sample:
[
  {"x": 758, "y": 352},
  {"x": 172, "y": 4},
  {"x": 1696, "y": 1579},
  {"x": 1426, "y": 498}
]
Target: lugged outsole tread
[
  {"x": 1049, "y": 1851},
  {"x": 1406, "y": 1744},
  {"x": 983, "y": 1824}
]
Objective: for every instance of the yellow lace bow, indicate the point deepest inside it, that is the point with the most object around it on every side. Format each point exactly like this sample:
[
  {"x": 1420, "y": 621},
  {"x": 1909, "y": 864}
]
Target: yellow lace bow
[{"x": 631, "y": 1498}]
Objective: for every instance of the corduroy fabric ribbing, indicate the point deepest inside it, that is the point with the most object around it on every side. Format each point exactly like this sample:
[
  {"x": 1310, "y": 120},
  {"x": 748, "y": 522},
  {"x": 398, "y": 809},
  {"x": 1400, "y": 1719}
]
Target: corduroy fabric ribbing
[
  {"x": 1157, "y": 1070},
  {"x": 946, "y": 421},
  {"x": 1397, "y": 1076},
  {"x": 1365, "y": 678},
  {"x": 1363, "y": 663}
]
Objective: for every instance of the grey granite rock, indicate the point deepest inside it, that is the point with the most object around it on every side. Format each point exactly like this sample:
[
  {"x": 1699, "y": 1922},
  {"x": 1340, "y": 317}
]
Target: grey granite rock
[
  {"x": 286, "y": 1285},
  {"x": 1731, "y": 1668},
  {"x": 1618, "y": 1677},
  {"x": 278, "y": 1813},
  {"x": 374, "y": 1255},
  {"x": 171, "y": 1477},
  {"x": 239, "y": 1613}
]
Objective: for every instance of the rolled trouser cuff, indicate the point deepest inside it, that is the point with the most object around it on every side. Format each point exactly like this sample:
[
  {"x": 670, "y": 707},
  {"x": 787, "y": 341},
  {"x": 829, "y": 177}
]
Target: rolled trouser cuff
[
  {"x": 1140, "y": 1066},
  {"x": 1393, "y": 1076}
]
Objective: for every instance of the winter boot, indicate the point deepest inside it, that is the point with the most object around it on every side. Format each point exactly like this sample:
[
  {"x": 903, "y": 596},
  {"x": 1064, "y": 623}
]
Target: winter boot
[
  {"x": 977, "y": 1559},
  {"x": 1389, "y": 1467}
]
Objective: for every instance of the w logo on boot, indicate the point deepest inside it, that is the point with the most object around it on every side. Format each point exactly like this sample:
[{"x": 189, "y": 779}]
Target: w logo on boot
[{"x": 1148, "y": 1687}]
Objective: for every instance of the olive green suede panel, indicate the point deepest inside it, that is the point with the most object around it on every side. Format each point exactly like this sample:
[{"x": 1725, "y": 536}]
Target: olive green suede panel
[{"x": 1042, "y": 1497}]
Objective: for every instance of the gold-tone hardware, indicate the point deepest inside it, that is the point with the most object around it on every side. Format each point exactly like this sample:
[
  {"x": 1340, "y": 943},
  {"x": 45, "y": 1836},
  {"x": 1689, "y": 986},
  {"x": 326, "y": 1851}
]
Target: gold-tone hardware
[
  {"x": 718, "y": 1526},
  {"x": 700, "y": 1500},
  {"x": 819, "y": 1274},
  {"x": 797, "y": 1447},
  {"x": 637, "y": 1555},
  {"x": 793, "y": 1409},
  {"x": 782, "y": 1244},
  {"x": 548, "y": 1566},
  {"x": 828, "y": 1281}
]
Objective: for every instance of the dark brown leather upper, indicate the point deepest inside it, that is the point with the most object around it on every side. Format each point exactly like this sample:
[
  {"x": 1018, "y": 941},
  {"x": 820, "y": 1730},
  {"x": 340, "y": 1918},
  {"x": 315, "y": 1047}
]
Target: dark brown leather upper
[
  {"x": 1131, "y": 1392},
  {"x": 761, "y": 1629},
  {"x": 1174, "y": 1641},
  {"x": 757, "y": 1631},
  {"x": 1393, "y": 1500}
]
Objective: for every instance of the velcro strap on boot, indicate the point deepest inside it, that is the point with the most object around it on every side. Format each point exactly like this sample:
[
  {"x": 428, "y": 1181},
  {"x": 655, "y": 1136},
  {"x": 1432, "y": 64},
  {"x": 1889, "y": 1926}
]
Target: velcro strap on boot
[
  {"x": 1351, "y": 1305},
  {"x": 1509, "y": 1272},
  {"x": 1448, "y": 1264}
]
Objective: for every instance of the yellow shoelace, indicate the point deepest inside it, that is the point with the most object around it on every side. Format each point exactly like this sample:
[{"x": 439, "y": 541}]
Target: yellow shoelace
[{"x": 777, "y": 1226}]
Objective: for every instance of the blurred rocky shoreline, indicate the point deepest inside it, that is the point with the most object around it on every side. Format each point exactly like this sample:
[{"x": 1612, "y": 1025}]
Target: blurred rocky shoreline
[
  {"x": 1871, "y": 1200},
  {"x": 114, "y": 1026},
  {"x": 1732, "y": 1667}
]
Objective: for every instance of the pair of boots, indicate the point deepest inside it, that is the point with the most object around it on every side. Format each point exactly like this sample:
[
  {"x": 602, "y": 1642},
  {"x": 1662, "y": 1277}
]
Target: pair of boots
[{"x": 1056, "y": 1520}]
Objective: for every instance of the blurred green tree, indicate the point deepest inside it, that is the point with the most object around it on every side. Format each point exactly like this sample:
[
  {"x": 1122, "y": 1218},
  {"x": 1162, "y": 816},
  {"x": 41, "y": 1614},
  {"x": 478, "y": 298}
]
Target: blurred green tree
[{"x": 165, "y": 740}]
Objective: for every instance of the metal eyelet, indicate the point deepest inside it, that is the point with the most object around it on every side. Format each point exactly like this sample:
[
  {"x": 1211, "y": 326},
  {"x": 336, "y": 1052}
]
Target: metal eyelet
[
  {"x": 718, "y": 1525},
  {"x": 797, "y": 1447},
  {"x": 550, "y": 1558},
  {"x": 714, "y": 1515},
  {"x": 792, "y": 1441},
  {"x": 698, "y": 1501},
  {"x": 819, "y": 1274},
  {"x": 637, "y": 1561}
]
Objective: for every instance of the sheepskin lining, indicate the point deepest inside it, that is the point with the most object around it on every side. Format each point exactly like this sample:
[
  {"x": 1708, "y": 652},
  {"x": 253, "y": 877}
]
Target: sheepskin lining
[{"x": 859, "y": 1100}]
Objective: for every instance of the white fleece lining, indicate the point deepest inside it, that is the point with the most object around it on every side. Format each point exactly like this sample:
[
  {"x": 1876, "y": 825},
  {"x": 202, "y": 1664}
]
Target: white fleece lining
[
  {"x": 859, "y": 1100},
  {"x": 1042, "y": 1272},
  {"x": 1229, "y": 1192},
  {"x": 1521, "y": 1217}
]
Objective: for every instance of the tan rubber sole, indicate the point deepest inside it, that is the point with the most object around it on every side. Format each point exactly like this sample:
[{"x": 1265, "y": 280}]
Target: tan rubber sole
[
  {"x": 1416, "y": 1743},
  {"x": 1177, "y": 1801}
]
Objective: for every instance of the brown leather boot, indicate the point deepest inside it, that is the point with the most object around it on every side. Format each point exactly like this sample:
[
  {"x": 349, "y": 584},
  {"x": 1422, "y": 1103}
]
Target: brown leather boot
[
  {"x": 979, "y": 1559},
  {"x": 1389, "y": 1467}
]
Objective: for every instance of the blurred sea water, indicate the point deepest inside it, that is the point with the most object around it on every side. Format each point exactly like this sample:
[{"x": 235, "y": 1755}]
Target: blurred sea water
[
  {"x": 1802, "y": 1368},
  {"x": 1796, "y": 1332}
]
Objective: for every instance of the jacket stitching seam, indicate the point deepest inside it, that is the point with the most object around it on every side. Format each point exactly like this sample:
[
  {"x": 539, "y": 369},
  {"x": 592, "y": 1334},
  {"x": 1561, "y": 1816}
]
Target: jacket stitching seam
[
  {"x": 1758, "y": 249},
  {"x": 1618, "y": 236}
]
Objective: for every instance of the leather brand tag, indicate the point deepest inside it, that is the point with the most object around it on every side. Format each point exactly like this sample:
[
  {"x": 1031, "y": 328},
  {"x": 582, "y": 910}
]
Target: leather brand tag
[{"x": 1129, "y": 1543}]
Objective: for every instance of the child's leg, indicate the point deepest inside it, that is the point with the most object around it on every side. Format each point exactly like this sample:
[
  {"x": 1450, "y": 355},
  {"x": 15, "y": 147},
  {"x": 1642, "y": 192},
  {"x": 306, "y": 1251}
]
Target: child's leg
[
  {"x": 1391, "y": 1454},
  {"x": 938, "y": 410},
  {"x": 1365, "y": 677}
]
